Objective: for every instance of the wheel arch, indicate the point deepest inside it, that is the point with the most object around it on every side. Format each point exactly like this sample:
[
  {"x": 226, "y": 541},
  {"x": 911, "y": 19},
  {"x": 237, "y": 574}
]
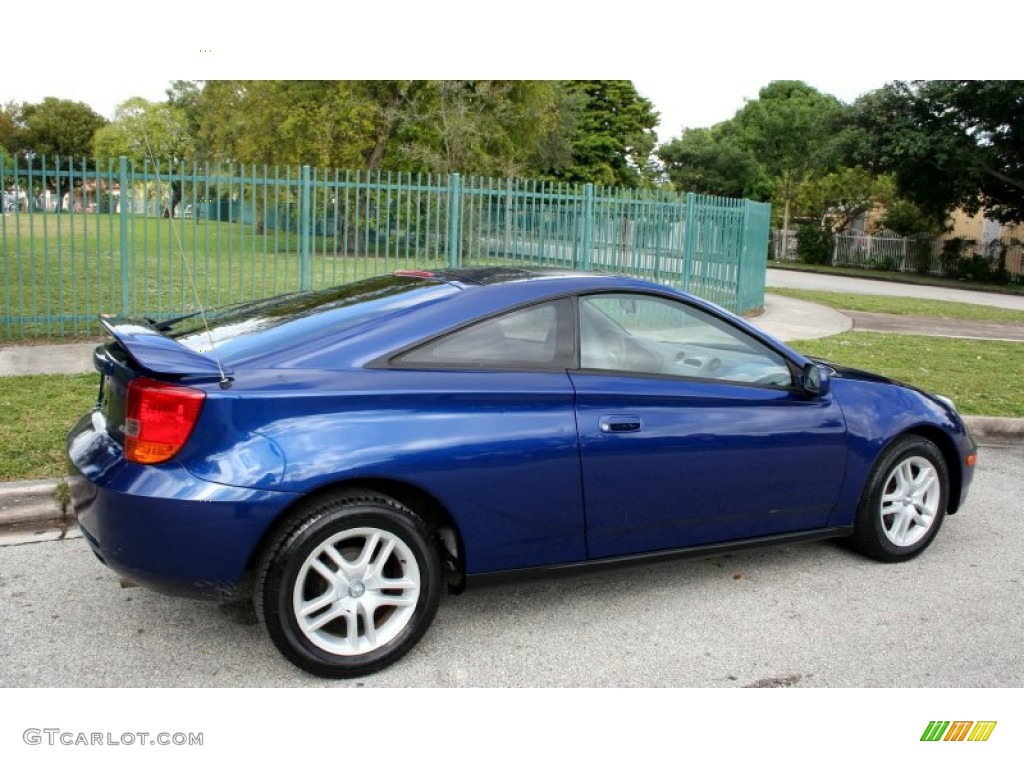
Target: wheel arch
[
  {"x": 949, "y": 452},
  {"x": 446, "y": 533}
]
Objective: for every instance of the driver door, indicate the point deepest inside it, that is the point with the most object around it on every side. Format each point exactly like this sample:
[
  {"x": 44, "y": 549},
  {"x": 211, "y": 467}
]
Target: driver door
[{"x": 692, "y": 431}]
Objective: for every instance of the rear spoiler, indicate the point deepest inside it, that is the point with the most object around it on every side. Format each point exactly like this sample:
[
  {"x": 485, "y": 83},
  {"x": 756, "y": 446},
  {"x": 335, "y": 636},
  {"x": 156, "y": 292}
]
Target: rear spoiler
[{"x": 158, "y": 353}]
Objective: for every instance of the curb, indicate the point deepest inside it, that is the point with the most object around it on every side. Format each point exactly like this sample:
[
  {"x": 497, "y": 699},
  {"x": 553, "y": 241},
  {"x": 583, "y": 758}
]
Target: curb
[
  {"x": 32, "y": 501},
  {"x": 996, "y": 429},
  {"x": 29, "y": 501}
]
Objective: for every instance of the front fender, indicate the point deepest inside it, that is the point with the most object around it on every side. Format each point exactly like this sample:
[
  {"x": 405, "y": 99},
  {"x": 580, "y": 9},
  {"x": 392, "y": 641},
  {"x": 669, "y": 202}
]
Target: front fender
[{"x": 877, "y": 412}]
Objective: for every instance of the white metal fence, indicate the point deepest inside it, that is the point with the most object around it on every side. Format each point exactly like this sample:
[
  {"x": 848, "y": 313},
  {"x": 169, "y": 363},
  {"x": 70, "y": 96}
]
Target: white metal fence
[
  {"x": 783, "y": 245},
  {"x": 889, "y": 252}
]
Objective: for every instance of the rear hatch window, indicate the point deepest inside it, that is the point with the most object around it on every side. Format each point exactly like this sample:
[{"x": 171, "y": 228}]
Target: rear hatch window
[
  {"x": 245, "y": 330},
  {"x": 168, "y": 350}
]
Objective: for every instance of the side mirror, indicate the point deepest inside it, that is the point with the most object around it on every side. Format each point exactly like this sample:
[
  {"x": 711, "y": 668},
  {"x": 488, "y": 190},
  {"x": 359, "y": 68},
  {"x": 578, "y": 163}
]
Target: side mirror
[{"x": 815, "y": 380}]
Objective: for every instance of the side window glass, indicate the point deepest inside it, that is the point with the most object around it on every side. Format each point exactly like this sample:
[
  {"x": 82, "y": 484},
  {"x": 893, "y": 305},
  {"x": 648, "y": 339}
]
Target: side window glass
[
  {"x": 644, "y": 334},
  {"x": 534, "y": 337}
]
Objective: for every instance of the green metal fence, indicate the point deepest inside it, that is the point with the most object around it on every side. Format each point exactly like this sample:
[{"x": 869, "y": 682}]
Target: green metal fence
[{"x": 80, "y": 238}]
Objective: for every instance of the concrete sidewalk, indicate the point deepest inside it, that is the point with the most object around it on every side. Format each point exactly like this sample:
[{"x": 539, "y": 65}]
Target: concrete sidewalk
[
  {"x": 23, "y": 360},
  {"x": 794, "y": 319}
]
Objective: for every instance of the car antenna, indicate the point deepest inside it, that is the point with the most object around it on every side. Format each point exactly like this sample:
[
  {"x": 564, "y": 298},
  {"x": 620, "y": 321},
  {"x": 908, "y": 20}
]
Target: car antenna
[{"x": 225, "y": 382}]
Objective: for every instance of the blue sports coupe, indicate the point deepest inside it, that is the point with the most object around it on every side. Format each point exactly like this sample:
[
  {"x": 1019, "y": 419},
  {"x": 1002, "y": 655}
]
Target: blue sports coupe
[{"x": 344, "y": 455}]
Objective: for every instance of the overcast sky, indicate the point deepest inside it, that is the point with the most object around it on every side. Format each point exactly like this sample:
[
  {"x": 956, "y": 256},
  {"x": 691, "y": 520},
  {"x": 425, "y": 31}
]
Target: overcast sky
[{"x": 696, "y": 63}]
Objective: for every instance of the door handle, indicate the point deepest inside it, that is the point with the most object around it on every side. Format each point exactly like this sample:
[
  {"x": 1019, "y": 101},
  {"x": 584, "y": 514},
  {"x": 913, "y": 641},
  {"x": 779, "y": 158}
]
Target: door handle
[{"x": 620, "y": 424}]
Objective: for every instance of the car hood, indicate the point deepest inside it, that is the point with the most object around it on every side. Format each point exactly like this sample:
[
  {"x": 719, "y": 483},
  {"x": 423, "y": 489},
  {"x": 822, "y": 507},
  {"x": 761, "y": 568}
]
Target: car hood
[
  {"x": 856, "y": 374},
  {"x": 845, "y": 372}
]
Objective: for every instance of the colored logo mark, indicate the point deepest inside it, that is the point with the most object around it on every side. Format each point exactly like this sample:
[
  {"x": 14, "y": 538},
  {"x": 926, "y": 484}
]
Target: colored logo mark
[{"x": 958, "y": 730}]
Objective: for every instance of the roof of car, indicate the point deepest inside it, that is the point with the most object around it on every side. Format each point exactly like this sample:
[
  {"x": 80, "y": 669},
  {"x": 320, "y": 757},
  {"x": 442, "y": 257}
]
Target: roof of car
[{"x": 495, "y": 275}]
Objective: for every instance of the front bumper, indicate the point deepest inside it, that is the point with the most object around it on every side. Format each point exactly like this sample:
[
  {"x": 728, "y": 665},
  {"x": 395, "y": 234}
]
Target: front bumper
[{"x": 161, "y": 526}]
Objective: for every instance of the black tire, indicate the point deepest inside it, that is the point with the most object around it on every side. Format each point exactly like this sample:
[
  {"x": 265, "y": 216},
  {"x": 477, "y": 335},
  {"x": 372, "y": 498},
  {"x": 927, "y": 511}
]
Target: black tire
[
  {"x": 904, "y": 501},
  {"x": 355, "y": 623}
]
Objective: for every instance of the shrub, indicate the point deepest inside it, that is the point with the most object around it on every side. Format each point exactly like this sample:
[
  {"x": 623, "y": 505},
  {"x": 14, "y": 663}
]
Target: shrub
[
  {"x": 962, "y": 261},
  {"x": 813, "y": 244},
  {"x": 953, "y": 263},
  {"x": 884, "y": 264},
  {"x": 921, "y": 255}
]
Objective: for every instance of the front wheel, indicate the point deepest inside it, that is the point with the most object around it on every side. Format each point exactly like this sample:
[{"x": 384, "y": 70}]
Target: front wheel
[
  {"x": 904, "y": 501},
  {"x": 350, "y": 586}
]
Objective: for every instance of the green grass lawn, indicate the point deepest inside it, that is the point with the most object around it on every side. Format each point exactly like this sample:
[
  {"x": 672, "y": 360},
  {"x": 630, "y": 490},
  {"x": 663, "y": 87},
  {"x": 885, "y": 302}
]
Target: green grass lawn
[
  {"x": 895, "y": 305},
  {"x": 982, "y": 377},
  {"x": 38, "y": 412},
  {"x": 72, "y": 263}
]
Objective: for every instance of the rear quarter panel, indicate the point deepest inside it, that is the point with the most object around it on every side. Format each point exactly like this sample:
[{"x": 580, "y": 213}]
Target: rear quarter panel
[{"x": 497, "y": 449}]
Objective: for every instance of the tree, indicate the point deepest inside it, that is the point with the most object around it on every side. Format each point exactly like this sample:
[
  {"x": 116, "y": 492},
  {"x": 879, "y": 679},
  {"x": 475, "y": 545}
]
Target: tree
[
  {"x": 10, "y": 118},
  {"x": 614, "y": 136},
  {"x": 184, "y": 95},
  {"x": 835, "y": 199},
  {"x": 506, "y": 127},
  {"x": 906, "y": 218},
  {"x": 788, "y": 129},
  {"x": 58, "y": 129},
  {"x": 949, "y": 143},
  {"x": 708, "y": 161},
  {"x": 321, "y": 123},
  {"x": 6, "y": 178},
  {"x": 487, "y": 127},
  {"x": 390, "y": 99},
  {"x": 144, "y": 130},
  {"x": 10, "y": 127}
]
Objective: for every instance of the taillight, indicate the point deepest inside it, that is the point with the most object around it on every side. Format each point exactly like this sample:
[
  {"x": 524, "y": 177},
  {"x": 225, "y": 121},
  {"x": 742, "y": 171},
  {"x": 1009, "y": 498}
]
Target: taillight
[{"x": 159, "y": 417}]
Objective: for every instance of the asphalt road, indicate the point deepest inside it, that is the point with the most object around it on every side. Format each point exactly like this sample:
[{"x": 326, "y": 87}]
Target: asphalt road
[
  {"x": 804, "y": 615},
  {"x": 812, "y": 281}
]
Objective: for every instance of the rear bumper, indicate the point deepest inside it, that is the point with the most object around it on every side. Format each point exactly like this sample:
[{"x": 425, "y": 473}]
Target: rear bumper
[{"x": 161, "y": 526}]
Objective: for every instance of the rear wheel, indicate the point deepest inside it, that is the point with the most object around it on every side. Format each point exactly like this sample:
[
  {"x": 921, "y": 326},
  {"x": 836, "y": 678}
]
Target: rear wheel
[
  {"x": 350, "y": 586},
  {"x": 904, "y": 501}
]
